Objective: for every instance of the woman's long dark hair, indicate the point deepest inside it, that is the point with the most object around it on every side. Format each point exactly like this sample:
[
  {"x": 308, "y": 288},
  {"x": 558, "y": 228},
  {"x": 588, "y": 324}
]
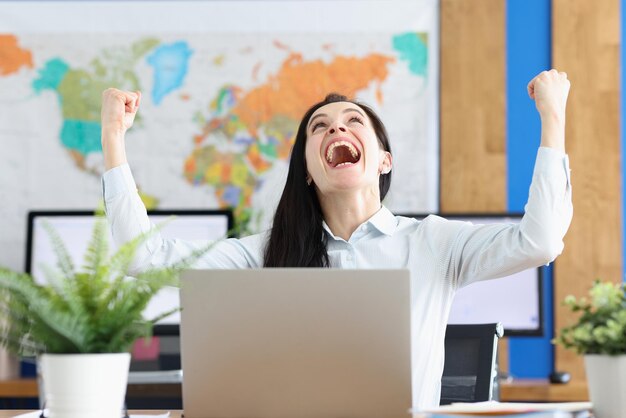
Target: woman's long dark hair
[{"x": 297, "y": 237}]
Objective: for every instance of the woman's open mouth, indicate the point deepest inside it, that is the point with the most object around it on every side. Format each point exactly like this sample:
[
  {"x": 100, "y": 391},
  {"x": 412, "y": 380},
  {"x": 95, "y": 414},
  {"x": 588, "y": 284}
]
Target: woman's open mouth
[{"x": 341, "y": 154}]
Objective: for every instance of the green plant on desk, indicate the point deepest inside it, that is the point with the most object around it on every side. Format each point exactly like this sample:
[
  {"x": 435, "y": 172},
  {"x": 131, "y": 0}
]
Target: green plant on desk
[
  {"x": 87, "y": 317},
  {"x": 601, "y": 327},
  {"x": 97, "y": 309},
  {"x": 600, "y": 335}
]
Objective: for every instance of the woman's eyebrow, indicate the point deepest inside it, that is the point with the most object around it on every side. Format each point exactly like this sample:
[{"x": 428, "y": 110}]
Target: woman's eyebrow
[
  {"x": 353, "y": 109},
  {"x": 350, "y": 109},
  {"x": 315, "y": 117}
]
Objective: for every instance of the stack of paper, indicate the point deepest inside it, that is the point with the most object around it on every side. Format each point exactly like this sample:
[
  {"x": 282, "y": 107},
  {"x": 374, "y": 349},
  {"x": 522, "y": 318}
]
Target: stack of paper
[
  {"x": 44, "y": 413},
  {"x": 513, "y": 410}
]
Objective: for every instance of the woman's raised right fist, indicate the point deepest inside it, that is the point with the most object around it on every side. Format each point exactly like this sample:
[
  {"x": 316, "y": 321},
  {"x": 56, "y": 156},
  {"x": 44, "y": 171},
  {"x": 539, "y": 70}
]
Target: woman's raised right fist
[
  {"x": 549, "y": 90},
  {"x": 119, "y": 109}
]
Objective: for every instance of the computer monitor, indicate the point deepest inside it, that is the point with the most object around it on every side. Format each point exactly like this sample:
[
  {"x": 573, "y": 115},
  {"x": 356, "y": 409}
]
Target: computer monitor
[
  {"x": 515, "y": 301},
  {"x": 75, "y": 229}
]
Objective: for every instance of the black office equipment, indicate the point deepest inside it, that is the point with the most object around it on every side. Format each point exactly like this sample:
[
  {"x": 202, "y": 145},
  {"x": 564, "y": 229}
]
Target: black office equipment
[
  {"x": 470, "y": 369},
  {"x": 559, "y": 377}
]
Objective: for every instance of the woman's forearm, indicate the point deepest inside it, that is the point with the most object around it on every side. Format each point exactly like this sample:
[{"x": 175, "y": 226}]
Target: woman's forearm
[
  {"x": 553, "y": 132},
  {"x": 113, "y": 148}
]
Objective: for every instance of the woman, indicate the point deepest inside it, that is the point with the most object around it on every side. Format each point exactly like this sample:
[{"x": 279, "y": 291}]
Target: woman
[{"x": 330, "y": 215}]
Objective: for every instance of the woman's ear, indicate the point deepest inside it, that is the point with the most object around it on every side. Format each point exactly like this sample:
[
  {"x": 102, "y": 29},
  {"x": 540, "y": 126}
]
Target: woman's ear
[{"x": 385, "y": 164}]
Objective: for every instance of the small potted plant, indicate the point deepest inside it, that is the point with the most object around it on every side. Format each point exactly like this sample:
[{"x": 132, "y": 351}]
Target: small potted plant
[
  {"x": 82, "y": 323},
  {"x": 600, "y": 335}
]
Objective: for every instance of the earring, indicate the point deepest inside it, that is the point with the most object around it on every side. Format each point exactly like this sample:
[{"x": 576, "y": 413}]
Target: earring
[{"x": 309, "y": 180}]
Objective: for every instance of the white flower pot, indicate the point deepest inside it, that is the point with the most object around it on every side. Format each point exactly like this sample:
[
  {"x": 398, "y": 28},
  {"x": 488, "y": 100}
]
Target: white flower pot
[
  {"x": 84, "y": 385},
  {"x": 606, "y": 376}
]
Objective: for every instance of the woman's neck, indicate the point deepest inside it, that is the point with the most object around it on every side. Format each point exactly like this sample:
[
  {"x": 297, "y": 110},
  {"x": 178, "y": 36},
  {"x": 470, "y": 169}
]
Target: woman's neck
[{"x": 344, "y": 212}]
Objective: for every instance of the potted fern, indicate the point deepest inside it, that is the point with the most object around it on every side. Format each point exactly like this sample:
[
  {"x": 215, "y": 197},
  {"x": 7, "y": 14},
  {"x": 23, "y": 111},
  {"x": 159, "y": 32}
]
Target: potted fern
[
  {"x": 82, "y": 322},
  {"x": 600, "y": 336}
]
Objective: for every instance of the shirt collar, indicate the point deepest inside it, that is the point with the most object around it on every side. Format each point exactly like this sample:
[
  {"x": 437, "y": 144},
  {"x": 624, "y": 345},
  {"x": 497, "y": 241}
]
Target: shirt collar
[{"x": 383, "y": 220}]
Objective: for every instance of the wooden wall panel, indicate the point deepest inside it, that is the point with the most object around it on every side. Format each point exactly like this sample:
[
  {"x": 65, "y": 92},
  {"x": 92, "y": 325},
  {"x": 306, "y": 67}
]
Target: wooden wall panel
[
  {"x": 473, "y": 100},
  {"x": 473, "y": 111},
  {"x": 586, "y": 41}
]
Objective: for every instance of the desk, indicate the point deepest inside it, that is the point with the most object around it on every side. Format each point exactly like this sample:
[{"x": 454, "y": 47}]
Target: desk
[
  {"x": 541, "y": 390},
  {"x": 9, "y": 413},
  {"x": 27, "y": 388},
  {"x": 18, "y": 388},
  {"x": 520, "y": 390}
]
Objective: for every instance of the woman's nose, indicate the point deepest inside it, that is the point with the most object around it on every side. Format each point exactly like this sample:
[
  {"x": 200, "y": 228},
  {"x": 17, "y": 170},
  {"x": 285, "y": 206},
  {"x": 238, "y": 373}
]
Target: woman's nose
[{"x": 340, "y": 128}]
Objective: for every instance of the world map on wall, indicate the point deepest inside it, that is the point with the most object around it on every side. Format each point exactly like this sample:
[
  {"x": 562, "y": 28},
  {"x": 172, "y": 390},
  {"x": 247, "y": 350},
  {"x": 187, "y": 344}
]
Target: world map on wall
[{"x": 217, "y": 120}]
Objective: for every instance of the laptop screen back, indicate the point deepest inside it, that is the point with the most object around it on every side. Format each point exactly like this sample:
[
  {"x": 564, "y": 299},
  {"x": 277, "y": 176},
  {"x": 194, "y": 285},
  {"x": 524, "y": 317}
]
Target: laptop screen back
[{"x": 296, "y": 343}]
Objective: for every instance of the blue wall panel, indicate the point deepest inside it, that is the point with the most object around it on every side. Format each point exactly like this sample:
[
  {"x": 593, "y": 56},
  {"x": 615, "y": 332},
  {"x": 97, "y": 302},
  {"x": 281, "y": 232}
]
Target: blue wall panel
[{"x": 528, "y": 39}]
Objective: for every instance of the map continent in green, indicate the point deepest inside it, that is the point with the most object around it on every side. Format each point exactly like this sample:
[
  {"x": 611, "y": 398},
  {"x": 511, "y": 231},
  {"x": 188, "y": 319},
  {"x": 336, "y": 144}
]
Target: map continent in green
[{"x": 79, "y": 91}]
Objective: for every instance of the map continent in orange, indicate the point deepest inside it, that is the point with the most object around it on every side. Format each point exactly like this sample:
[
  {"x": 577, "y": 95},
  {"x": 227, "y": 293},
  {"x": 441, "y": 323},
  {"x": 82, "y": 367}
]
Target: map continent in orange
[
  {"x": 298, "y": 84},
  {"x": 12, "y": 57}
]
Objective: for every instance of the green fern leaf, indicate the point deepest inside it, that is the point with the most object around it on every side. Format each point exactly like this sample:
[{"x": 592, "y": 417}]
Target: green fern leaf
[
  {"x": 64, "y": 260},
  {"x": 97, "y": 249}
]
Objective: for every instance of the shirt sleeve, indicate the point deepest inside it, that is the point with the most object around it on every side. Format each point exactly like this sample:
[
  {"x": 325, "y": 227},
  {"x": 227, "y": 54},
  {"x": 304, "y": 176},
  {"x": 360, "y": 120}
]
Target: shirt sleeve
[
  {"x": 469, "y": 253},
  {"x": 128, "y": 219}
]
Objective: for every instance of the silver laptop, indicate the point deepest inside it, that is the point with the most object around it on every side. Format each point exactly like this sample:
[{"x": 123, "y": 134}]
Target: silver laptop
[{"x": 296, "y": 343}]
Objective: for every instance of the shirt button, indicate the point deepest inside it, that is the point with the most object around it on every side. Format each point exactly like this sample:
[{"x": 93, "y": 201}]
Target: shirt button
[{"x": 364, "y": 228}]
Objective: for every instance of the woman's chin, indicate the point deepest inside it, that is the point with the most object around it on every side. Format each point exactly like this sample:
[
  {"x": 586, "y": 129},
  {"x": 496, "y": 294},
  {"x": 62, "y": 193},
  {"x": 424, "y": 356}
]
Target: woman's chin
[
  {"x": 344, "y": 183},
  {"x": 345, "y": 178}
]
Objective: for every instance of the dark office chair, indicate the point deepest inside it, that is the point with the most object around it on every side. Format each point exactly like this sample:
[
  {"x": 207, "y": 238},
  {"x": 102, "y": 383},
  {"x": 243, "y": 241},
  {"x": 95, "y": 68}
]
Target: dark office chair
[{"x": 470, "y": 371}]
